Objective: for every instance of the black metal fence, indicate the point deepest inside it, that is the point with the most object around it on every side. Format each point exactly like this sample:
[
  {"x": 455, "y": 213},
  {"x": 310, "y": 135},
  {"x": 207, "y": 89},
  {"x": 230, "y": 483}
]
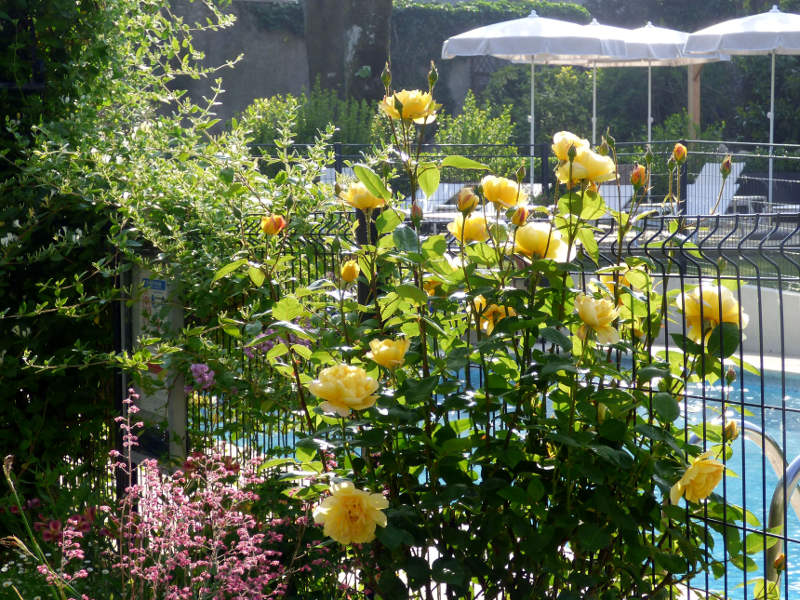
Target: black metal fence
[{"x": 757, "y": 254}]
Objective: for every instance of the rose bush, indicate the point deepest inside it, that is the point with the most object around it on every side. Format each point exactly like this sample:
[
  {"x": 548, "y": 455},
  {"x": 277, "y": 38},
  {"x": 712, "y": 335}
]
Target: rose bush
[{"x": 477, "y": 427}]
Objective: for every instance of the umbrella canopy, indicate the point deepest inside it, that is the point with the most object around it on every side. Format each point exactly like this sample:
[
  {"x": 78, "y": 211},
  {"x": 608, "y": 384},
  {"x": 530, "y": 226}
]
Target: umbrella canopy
[
  {"x": 773, "y": 32},
  {"x": 540, "y": 40},
  {"x": 658, "y": 46}
]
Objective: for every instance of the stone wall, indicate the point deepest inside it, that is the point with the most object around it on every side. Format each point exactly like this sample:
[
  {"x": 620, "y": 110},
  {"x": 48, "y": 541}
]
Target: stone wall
[{"x": 274, "y": 62}]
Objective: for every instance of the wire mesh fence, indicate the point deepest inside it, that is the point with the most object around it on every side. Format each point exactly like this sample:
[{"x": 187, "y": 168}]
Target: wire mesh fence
[{"x": 752, "y": 250}]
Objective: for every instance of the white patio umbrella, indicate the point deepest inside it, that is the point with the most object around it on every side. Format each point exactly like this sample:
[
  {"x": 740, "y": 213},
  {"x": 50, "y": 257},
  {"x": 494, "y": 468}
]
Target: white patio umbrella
[
  {"x": 773, "y": 32},
  {"x": 539, "y": 40},
  {"x": 662, "y": 47}
]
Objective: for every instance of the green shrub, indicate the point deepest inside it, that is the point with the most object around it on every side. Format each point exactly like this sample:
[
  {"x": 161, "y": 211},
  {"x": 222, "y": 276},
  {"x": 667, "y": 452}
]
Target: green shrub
[
  {"x": 478, "y": 125},
  {"x": 315, "y": 110}
]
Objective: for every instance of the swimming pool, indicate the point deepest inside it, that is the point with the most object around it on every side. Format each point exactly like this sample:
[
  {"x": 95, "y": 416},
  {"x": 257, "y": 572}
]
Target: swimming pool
[{"x": 774, "y": 406}]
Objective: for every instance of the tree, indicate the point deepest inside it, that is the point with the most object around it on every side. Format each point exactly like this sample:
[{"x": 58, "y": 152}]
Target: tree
[{"x": 348, "y": 44}]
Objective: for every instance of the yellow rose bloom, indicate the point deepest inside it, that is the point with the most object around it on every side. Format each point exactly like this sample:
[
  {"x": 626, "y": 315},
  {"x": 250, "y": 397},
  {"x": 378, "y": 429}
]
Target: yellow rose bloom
[
  {"x": 588, "y": 165},
  {"x": 344, "y": 388},
  {"x": 417, "y": 106},
  {"x": 491, "y": 315},
  {"x": 541, "y": 240},
  {"x": 358, "y": 196},
  {"x": 502, "y": 192},
  {"x": 430, "y": 286},
  {"x": 471, "y": 228},
  {"x": 597, "y": 315},
  {"x": 563, "y": 140},
  {"x": 467, "y": 200},
  {"x": 349, "y": 271},
  {"x": 272, "y": 224},
  {"x": 349, "y": 515},
  {"x": 679, "y": 153},
  {"x": 699, "y": 480},
  {"x": 389, "y": 353},
  {"x": 717, "y": 305}
]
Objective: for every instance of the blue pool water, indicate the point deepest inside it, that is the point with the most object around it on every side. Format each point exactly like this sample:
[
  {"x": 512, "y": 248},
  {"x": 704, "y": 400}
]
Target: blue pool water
[{"x": 774, "y": 406}]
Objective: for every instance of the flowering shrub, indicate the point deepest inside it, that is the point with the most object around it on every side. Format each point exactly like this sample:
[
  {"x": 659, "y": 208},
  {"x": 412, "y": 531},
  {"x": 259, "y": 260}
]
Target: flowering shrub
[{"x": 476, "y": 425}]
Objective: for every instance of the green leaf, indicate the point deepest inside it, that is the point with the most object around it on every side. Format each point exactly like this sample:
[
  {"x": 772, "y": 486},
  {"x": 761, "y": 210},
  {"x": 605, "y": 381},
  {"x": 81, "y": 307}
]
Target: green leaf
[
  {"x": 303, "y": 351},
  {"x": 387, "y": 221},
  {"x": 411, "y": 292},
  {"x": 586, "y": 236},
  {"x": 766, "y": 590},
  {"x": 305, "y": 453},
  {"x": 591, "y": 537},
  {"x": 256, "y": 275},
  {"x": 755, "y": 542},
  {"x": 448, "y": 570},
  {"x": 461, "y": 162},
  {"x": 745, "y": 563},
  {"x": 277, "y": 351},
  {"x": 229, "y": 268},
  {"x": 428, "y": 178},
  {"x": 666, "y": 407},
  {"x": 724, "y": 340},
  {"x": 686, "y": 344},
  {"x": 286, "y": 309},
  {"x": 435, "y": 246},
  {"x": 514, "y": 494},
  {"x": 587, "y": 207},
  {"x": 393, "y": 537},
  {"x": 226, "y": 175},
  {"x": 371, "y": 181},
  {"x": 649, "y": 372},
  {"x": 420, "y": 390},
  {"x": 554, "y": 336},
  {"x": 405, "y": 238}
]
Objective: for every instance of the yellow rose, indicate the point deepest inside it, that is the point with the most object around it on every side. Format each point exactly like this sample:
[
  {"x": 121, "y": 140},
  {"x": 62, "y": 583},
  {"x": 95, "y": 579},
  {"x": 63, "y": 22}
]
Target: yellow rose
[
  {"x": 699, "y": 480},
  {"x": 589, "y": 166},
  {"x": 417, "y": 106},
  {"x": 598, "y": 314},
  {"x": 563, "y": 140},
  {"x": 491, "y": 315},
  {"x": 389, "y": 353},
  {"x": 430, "y": 286},
  {"x": 471, "y": 228},
  {"x": 520, "y": 216},
  {"x": 541, "y": 240},
  {"x": 638, "y": 175},
  {"x": 502, "y": 192},
  {"x": 467, "y": 200},
  {"x": 679, "y": 153},
  {"x": 344, "y": 388},
  {"x": 349, "y": 515},
  {"x": 358, "y": 196},
  {"x": 717, "y": 305},
  {"x": 349, "y": 271},
  {"x": 272, "y": 224}
]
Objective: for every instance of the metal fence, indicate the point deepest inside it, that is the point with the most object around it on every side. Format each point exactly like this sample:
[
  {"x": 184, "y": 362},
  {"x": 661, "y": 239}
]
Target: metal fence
[{"x": 758, "y": 253}]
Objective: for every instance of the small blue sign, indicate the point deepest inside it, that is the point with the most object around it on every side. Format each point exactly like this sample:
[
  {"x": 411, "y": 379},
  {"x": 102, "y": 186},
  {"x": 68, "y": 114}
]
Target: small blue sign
[{"x": 154, "y": 284}]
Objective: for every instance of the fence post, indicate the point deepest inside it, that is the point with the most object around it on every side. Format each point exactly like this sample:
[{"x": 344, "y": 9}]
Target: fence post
[
  {"x": 338, "y": 159},
  {"x": 684, "y": 170},
  {"x": 545, "y": 154}
]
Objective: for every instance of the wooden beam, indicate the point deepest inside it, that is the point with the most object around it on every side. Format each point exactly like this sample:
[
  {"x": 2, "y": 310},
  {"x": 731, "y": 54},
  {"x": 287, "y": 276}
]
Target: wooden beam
[{"x": 694, "y": 100}]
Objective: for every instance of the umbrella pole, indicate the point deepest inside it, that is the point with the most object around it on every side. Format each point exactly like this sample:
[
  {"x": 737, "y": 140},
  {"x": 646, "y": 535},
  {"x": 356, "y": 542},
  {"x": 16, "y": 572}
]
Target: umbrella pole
[
  {"x": 594, "y": 105},
  {"x": 771, "y": 127},
  {"x": 533, "y": 123},
  {"x": 649, "y": 104}
]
